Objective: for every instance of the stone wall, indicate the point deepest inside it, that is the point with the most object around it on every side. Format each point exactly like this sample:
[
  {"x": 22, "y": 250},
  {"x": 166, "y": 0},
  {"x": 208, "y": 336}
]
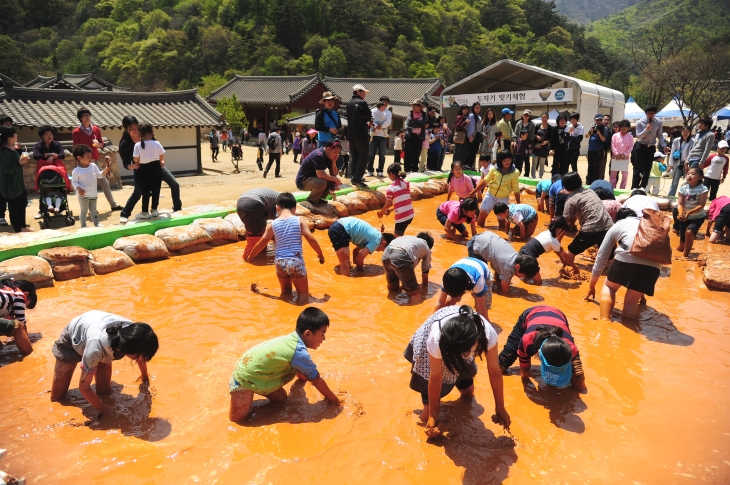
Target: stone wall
[{"x": 115, "y": 180}]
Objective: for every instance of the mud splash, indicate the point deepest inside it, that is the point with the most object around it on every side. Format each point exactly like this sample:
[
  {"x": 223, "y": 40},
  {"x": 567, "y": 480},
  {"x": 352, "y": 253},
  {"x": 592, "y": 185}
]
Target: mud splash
[{"x": 657, "y": 387}]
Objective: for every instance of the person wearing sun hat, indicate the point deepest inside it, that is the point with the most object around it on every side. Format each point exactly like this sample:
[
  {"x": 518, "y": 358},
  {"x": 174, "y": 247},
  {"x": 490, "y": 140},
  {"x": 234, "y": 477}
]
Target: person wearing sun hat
[
  {"x": 327, "y": 121},
  {"x": 544, "y": 330},
  {"x": 359, "y": 120},
  {"x": 505, "y": 126}
]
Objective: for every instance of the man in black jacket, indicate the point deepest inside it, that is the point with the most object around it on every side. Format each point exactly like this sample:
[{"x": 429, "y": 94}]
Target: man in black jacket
[{"x": 358, "y": 124}]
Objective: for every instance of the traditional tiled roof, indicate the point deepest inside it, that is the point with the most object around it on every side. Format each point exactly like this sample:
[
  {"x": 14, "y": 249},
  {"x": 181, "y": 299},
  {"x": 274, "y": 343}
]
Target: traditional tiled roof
[
  {"x": 404, "y": 90},
  {"x": 6, "y": 81},
  {"x": 57, "y": 107},
  {"x": 88, "y": 81},
  {"x": 266, "y": 90}
]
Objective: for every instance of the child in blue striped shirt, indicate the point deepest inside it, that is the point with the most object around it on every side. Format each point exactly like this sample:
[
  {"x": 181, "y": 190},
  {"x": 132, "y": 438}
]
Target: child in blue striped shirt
[
  {"x": 523, "y": 216},
  {"x": 288, "y": 229}
]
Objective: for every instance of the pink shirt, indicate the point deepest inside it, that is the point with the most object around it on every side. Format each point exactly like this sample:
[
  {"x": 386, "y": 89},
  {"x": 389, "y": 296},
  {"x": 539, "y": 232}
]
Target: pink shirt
[
  {"x": 717, "y": 206},
  {"x": 452, "y": 211},
  {"x": 462, "y": 185},
  {"x": 622, "y": 144}
]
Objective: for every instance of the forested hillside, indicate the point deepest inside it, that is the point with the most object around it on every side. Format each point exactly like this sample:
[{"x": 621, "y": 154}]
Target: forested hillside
[
  {"x": 586, "y": 11},
  {"x": 701, "y": 18},
  {"x": 176, "y": 44}
]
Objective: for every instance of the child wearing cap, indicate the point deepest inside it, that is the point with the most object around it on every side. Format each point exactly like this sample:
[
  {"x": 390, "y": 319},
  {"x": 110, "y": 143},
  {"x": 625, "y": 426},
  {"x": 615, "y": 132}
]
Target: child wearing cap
[
  {"x": 716, "y": 167},
  {"x": 267, "y": 367},
  {"x": 656, "y": 173},
  {"x": 544, "y": 330}
]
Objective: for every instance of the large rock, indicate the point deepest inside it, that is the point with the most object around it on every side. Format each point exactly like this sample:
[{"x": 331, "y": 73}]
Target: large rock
[
  {"x": 142, "y": 247},
  {"x": 416, "y": 193},
  {"x": 31, "y": 268},
  {"x": 64, "y": 254},
  {"x": 220, "y": 231},
  {"x": 71, "y": 270},
  {"x": 354, "y": 205},
  {"x": 304, "y": 209},
  {"x": 181, "y": 237},
  {"x": 108, "y": 260},
  {"x": 664, "y": 204},
  {"x": 321, "y": 222},
  {"x": 234, "y": 219},
  {"x": 717, "y": 274},
  {"x": 427, "y": 190}
]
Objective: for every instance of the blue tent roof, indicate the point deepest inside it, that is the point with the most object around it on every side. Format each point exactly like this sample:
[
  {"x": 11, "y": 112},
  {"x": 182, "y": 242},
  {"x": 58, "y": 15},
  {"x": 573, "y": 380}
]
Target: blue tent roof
[{"x": 723, "y": 114}]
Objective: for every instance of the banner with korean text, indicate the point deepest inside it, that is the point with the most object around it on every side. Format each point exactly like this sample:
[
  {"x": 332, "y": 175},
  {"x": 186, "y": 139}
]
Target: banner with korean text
[{"x": 538, "y": 96}]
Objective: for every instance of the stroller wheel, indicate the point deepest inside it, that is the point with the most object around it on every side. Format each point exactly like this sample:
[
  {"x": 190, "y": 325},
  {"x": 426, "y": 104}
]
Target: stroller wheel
[
  {"x": 47, "y": 219},
  {"x": 69, "y": 221},
  {"x": 42, "y": 225}
]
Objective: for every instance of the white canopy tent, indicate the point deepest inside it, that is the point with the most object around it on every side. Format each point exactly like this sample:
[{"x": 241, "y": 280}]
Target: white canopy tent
[
  {"x": 632, "y": 111},
  {"x": 672, "y": 114},
  {"x": 552, "y": 116}
]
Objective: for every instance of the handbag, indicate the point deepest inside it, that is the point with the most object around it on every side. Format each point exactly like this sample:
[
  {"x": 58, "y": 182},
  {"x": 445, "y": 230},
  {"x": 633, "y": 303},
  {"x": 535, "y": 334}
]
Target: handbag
[
  {"x": 652, "y": 238},
  {"x": 460, "y": 137}
]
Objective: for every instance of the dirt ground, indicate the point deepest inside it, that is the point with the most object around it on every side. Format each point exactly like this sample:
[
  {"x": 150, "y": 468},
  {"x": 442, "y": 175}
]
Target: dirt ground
[{"x": 220, "y": 182}]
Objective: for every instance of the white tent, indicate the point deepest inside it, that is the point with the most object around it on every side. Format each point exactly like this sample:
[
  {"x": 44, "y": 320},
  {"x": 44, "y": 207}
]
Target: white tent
[
  {"x": 632, "y": 111},
  {"x": 672, "y": 114},
  {"x": 552, "y": 116},
  {"x": 721, "y": 117}
]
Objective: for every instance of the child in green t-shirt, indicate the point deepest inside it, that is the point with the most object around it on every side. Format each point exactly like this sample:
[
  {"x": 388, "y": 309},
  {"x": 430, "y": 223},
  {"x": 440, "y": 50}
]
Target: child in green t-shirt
[{"x": 265, "y": 368}]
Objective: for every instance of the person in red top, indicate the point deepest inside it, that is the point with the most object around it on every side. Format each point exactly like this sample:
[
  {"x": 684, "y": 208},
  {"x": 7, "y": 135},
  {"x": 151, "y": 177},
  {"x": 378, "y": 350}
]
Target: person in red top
[
  {"x": 88, "y": 134},
  {"x": 718, "y": 215},
  {"x": 544, "y": 330},
  {"x": 398, "y": 198}
]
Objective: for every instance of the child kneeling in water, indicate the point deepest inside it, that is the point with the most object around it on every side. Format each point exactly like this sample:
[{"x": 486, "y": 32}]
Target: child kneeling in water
[
  {"x": 442, "y": 353},
  {"x": 288, "y": 229},
  {"x": 266, "y": 368},
  {"x": 544, "y": 330}
]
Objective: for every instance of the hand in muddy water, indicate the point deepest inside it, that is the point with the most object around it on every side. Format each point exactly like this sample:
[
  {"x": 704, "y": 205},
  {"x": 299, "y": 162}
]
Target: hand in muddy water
[{"x": 591, "y": 296}]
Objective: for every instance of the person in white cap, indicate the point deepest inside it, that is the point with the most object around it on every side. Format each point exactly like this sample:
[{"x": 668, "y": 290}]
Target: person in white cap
[
  {"x": 359, "y": 122},
  {"x": 716, "y": 167}
]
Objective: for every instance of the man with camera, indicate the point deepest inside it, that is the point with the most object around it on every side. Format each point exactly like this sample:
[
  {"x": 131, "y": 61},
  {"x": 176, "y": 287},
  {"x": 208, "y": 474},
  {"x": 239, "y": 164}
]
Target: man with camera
[
  {"x": 596, "y": 138},
  {"x": 649, "y": 131}
]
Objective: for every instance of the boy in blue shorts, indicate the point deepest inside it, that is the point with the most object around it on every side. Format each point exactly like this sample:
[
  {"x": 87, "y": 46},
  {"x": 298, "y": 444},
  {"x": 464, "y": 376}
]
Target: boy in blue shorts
[
  {"x": 523, "y": 216},
  {"x": 266, "y": 368},
  {"x": 365, "y": 237},
  {"x": 467, "y": 274}
]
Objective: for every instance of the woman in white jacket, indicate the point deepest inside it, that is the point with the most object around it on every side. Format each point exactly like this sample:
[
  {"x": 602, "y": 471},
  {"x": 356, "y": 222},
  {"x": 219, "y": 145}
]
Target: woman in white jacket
[{"x": 681, "y": 146}]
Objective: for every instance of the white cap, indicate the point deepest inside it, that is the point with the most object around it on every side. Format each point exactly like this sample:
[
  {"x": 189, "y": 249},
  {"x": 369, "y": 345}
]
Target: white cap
[
  {"x": 359, "y": 87},
  {"x": 722, "y": 144},
  {"x": 658, "y": 154}
]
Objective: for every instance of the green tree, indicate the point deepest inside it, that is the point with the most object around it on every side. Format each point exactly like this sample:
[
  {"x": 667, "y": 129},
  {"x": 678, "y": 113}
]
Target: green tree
[
  {"x": 233, "y": 112},
  {"x": 210, "y": 83},
  {"x": 274, "y": 66},
  {"x": 124, "y": 9},
  {"x": 314, "y": 47},
  {"x": 15, "y": 64},
  {"x": 332, "y": 62}
]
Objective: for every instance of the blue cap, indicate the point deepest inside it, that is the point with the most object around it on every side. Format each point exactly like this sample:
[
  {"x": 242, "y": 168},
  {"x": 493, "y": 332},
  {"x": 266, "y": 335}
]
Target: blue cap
[
  {"x": 555, "y": 376},
  {"x": 507, "y": 111}
]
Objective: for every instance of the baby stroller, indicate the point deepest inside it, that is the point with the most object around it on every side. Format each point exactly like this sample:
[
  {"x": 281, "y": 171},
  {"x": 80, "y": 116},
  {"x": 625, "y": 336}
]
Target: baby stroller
[{"x": 52, "y": 183}]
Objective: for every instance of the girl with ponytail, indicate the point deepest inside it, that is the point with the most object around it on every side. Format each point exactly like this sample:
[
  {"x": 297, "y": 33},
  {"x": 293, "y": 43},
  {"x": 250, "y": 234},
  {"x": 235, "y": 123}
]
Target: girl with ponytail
[
  {"x": 544, "y": 330},
  {"x": 96, "y": 339},
  {"x": 442, "y": 353},
  {"x": 398, "y": 199}
]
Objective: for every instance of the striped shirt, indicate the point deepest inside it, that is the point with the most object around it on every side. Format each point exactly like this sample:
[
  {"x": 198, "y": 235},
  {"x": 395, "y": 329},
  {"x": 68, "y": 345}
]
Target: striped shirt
[
  {"x": 399, "y": 193},
  {"x": 479, "y": 275},
  {"x": 12, "y": 304},
  {"x": 521, "y": 213},
  {"x": 521, "y": 342},
  {"x": 288, "y": 235},
  {"x": 622, "y": 144}
]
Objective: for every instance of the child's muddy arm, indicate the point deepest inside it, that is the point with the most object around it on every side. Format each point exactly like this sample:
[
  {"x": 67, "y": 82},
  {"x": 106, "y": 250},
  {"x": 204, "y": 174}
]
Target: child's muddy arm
[
  {"x": 88, "y": 393},
  {"x": 322, "y": 387},
  {"x": 142, "y": 364},
  {"x": 434, "y": 391},
  {"x": 311, "y": 240}
]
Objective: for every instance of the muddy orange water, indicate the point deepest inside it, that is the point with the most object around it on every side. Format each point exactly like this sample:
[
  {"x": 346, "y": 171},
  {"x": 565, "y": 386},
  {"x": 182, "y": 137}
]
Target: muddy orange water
[{"x": 655, "y": 412}]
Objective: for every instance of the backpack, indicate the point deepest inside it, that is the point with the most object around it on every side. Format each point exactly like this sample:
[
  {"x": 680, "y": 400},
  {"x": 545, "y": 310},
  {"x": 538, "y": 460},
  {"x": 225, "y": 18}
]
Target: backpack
[
  {"x": 652, "y": 239},
  {"x": 271, "y": 142}
]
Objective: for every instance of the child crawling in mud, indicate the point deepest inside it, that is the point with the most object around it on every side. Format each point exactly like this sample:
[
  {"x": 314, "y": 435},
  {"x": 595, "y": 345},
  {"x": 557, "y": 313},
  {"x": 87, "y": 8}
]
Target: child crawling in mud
[
  {"x": 442, "y": 353},
  {"x": 288, "y": 229},
  {"x": 266, "y": 368}
]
